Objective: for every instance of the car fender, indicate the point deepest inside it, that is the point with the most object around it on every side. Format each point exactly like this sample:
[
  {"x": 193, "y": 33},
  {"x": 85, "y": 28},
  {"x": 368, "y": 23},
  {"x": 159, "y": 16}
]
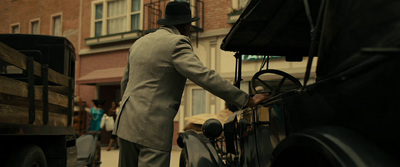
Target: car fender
[
  {"x": 335, "y": 145},
  {"x": 199, "y": 150}
]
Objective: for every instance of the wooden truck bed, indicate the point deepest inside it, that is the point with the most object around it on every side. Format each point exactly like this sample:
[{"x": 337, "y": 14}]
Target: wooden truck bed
[{"x": 52, "y": 106}]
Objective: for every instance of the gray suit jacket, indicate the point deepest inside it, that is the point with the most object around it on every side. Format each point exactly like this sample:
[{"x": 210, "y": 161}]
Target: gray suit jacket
[{"x": 158, "y": 65}]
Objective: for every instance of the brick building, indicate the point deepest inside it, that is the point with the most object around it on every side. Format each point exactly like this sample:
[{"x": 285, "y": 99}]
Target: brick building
[
  {"x": 103, "y": 30},
  {"x": 46, "y": 17}
]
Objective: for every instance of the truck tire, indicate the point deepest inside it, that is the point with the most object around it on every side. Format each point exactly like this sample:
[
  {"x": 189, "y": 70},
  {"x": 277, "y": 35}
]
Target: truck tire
[{"x": 28, "y": 156}]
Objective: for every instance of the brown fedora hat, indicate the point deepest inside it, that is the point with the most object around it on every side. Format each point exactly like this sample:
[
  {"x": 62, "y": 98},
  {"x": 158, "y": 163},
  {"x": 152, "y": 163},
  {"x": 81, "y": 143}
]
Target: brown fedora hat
[{"x": 177, "y": 13}]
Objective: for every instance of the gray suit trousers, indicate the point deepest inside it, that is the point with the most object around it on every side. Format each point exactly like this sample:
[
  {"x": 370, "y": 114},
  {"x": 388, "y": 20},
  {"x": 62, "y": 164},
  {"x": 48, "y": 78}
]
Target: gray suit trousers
[{"x": 136, "y": 155}]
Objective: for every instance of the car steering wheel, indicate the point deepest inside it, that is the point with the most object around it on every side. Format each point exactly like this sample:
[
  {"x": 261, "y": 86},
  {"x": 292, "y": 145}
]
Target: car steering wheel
[{"x": 263, "y": 82}]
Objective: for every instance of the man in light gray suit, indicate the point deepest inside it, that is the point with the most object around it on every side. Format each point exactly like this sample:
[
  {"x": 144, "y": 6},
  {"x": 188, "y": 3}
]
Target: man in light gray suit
[{"x": 159, "y": 64}]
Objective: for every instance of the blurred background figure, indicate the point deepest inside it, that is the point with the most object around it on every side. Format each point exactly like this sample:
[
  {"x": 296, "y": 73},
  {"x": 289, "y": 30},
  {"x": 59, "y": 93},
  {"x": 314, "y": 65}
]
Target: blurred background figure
[
  {"x": 96, "y": 114},
  {"x": 113, "y": 111}
]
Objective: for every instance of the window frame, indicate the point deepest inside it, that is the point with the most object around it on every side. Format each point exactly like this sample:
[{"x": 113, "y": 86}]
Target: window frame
[
  {"x": 235, "y": 4},
  {"x": 31, "y": 25},
  {"x": 15, "y": 25},
  {"x": 52, "y": 23},
  {"x": 105, "y": 18},
  {"x": 131, "y": 13},
  {"x": 189, "y": 96},
  {"x": 204, "y": 98}
]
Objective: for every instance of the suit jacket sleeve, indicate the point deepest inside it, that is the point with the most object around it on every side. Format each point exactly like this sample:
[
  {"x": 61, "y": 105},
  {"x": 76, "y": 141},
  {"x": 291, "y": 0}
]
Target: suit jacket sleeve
[
  {"x": 125, "y": 78},
  {"x": 189, "y": 65}
]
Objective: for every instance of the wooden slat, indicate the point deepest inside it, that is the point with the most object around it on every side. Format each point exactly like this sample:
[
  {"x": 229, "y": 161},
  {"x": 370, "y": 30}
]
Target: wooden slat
[
  {"x": 18, "y": 59},
  {"x": 20, "y": 115},
  {"x": 19, "y": 88},
  {"x": 13, "y": 87},
  {"x": 58, "y": 78},
  {"x": 57, "y": 89},
  {"x": 23, "y": 102}
]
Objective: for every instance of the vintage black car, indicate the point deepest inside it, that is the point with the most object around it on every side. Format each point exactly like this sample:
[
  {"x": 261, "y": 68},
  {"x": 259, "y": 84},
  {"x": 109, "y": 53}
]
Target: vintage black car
[{"x": 348, "y": 117}]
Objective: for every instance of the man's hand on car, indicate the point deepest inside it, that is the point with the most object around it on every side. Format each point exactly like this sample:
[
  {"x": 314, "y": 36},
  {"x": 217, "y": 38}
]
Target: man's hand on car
[{"x": 256, "y": 99}]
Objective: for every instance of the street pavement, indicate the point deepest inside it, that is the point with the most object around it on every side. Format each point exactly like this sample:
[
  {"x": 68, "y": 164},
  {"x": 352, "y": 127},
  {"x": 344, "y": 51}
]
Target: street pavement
[{"x": 110, "y": 158}]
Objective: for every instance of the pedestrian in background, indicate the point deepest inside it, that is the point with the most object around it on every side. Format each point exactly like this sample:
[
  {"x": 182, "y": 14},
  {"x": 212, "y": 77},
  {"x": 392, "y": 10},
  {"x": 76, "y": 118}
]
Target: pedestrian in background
[
  {"x": 158, "y": 66},
  {"x": 96, "y": 114},
  {"x": 113, "y": 113}
]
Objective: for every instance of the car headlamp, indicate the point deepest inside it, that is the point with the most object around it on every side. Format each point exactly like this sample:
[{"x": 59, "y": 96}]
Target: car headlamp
[{"x": 212, "y": 128}]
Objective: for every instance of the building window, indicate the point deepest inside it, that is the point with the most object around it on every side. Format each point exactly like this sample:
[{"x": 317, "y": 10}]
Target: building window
[
  {"x": 111, "y": 17},
  {"x": 242, "y": 3},
  {"x": 15, "y": 29},
  {"x": 57, "y": 26},
  {"x": 116, "y": 17},
  {"x": 238, "y": 6},
  {"x": 34, "y": 27},
  {"x": 135, "y": 15},
  {"x": 98, "y": 19},
  {"x": 198, "y": 101}
]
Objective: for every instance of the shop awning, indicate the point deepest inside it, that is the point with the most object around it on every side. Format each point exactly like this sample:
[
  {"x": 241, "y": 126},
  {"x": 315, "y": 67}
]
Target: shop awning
[{"x": 102, "y": 76}]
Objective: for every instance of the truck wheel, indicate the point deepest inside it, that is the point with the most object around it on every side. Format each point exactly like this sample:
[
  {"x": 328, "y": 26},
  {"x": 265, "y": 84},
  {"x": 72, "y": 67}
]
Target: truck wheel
[
  {"x": 28, "y": 156},
  {"x": 183, "y": 160}
]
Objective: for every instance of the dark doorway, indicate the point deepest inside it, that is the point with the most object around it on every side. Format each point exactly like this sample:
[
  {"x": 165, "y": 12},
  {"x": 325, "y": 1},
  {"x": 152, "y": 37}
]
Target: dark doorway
[{"x": 109, "y": 93}]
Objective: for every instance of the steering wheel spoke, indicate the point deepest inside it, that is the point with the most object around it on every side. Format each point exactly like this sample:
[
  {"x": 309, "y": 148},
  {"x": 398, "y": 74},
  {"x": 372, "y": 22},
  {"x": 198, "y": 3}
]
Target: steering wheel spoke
[
  {"x": 287, "y": 82},
  {"x": 265, "y": 84}
]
